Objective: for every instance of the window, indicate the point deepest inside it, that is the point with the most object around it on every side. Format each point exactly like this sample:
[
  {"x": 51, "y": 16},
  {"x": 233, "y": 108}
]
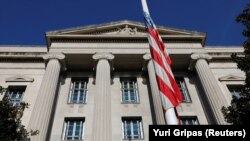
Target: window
[
  {"x": 129, "y": 90},
  {"x": 15, "y": 94},
  {"x": 189, "y": 121},
  {"x": 73, "y": 129},
  {"x": 235, "y": 90},
  {"x": 78, "y": 92},
  {"x": 132, "y": 128},
  {"x": 184, "y": 91}
]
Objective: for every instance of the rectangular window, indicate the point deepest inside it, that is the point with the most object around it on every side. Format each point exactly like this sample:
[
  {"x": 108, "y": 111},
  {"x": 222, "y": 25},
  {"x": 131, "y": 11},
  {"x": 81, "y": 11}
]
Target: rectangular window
[
  {"x": 132, "y": 128},
  {"x": 15, "y": 94},
  {"x": 183, "y": 88},
  {"x": 129, "y": 92},
  {"x": 78, "y": 91},
  {"x": 235, "y": 90},
  {"x": 189, "y": 121},
  {"x": 73, "y": 129}
]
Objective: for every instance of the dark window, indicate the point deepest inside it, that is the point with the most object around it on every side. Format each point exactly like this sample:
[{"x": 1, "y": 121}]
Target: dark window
[
  {"x": 189, "y": 121},
  {"x": 235, "y": 90},
  {"x": 15, "y": 94}
]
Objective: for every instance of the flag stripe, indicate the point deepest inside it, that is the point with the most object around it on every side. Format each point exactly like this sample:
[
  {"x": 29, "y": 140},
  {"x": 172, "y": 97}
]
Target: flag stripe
[
  {"x": 165, "y": 76},
  {"x": 169, "y": 90},
  {"x": 160, "y": 54}
]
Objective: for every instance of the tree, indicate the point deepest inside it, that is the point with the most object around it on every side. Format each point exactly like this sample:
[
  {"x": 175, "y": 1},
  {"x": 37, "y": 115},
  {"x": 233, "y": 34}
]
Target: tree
[
  {"x": 239, "y": 111},
  {"x": 11, "y": 128}
]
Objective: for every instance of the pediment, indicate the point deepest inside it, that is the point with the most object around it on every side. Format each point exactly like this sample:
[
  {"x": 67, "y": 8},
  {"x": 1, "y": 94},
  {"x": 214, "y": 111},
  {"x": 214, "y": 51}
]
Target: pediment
[
  {"x": 232, "y": 78},
  {"x": 122, "y": 28},
  {"x": 19, "y": 79}
]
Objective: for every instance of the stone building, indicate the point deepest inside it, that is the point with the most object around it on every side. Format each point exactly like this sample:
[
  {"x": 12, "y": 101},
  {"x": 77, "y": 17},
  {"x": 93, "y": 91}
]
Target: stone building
[{"x": 97, "y": 82}]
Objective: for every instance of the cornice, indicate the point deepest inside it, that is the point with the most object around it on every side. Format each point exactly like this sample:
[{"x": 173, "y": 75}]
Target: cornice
[{"x": 21, "y": 56}]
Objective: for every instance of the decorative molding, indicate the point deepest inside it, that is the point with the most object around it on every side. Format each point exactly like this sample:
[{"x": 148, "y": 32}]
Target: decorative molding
[
  {"x": 127, "y": 30},
  {"x": 107, "y": 56},
  {"x": 122, "y": 39},
  {"x": 19, "y": 79},
  {"x": 231, "y": 77}
]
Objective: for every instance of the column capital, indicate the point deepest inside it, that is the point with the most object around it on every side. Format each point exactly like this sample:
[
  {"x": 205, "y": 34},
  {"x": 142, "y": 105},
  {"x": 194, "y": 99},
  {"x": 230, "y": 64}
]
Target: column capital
[
  {"x": 146, "y": 57},
  {"x": 58, "y": 56},
  {"x": 107, "y": 56},
  {"x": 104, "y": 56},
  {"x": 197, "y": 56}
]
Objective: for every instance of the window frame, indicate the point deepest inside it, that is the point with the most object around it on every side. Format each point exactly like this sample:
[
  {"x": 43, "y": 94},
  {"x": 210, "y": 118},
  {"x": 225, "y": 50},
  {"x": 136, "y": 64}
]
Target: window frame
[
  {"x": 79, "y": 89},
  {"x": 183, "y": 89},
  {"x": 134, "y": 88},
  {"x": 131, "y": 120},
  {"x": 66, "y": 125}
]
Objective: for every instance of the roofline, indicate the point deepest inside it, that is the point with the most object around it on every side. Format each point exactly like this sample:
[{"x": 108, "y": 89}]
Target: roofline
[
  {"x": 96, "y": 26},
  {"x": 62, "y": 33}
]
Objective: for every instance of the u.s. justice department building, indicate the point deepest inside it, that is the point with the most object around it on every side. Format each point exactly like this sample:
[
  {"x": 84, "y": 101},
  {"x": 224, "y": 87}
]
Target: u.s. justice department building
[{"x": 97, "y": 82}]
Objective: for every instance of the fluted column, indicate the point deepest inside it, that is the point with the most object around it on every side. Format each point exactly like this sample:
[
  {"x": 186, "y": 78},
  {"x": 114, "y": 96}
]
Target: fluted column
[
  {"x": 102, "y": 106},
  {"x": 210, "y": 85},
  {"x": 41, "y": 114},
  {"x": 154, "y": 91}
]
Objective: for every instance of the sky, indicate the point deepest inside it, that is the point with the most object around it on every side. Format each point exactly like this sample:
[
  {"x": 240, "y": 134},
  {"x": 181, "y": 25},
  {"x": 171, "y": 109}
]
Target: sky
[{"x": 24, "y": 22}]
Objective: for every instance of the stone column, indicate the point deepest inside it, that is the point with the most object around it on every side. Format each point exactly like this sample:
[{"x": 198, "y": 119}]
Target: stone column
[
  {"x": 210, "y": 85},
  {"x": 102, "y": 106},
  {"x": 154, "y": 91},
  {"x": 41, "y": 114}
]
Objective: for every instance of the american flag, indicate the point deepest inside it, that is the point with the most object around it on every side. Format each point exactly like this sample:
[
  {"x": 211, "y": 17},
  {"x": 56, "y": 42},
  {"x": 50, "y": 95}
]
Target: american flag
[{"x": 169, "y": 91}]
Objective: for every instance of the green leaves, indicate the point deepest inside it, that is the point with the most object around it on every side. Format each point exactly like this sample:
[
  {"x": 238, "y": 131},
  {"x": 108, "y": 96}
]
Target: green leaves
[
  {"x": 239, "y": 111},
  {"x": 11, "y": 127}
]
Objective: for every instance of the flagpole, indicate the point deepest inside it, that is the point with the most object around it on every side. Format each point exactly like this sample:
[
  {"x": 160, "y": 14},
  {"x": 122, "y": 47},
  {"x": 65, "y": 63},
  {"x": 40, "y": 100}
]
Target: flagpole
[{"x": 170, "y": 115}]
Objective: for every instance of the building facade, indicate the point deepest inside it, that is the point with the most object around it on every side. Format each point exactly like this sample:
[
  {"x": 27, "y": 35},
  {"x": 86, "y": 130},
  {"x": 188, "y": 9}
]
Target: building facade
[{"x": 97, "y": 82}]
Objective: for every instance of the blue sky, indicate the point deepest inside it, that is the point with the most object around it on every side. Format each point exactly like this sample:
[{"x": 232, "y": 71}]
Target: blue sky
[{"x": 24, "y": 22}]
